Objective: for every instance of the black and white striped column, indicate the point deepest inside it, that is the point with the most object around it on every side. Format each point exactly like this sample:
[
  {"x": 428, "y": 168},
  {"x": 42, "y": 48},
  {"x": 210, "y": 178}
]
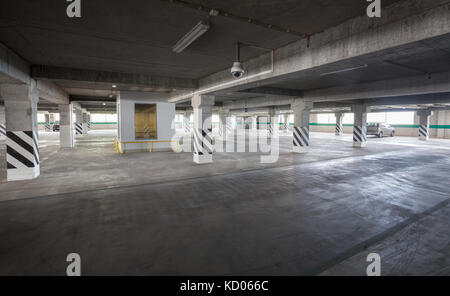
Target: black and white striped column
[
  {"x": 339, "y": 126},
  {"x": 203, "y": 146},
  {"x": 270, "y": 128},
  {"x": 22, "y": 155},
  {"x": 89, "y": 121},
  {"x": 78, "y": 129},
  {"x": 187, "y": 123},
  {"x": 47, "y": 122},
  {"x": 424, "y": 124},
  {"x": 2, "y": 123},
  {"x": 359, "y": 136},
  {"x": 301, "y": 139},
  {"x": 2, "y": 131},
  {"x": 424, "y": 132},
  {"x": 301, "y": 135},
  {"x": 78, "y": 126},
  {"x": 360, "y": 125}
]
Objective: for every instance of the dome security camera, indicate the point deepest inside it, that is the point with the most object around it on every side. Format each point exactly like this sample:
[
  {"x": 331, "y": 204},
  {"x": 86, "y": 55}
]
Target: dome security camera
[{"x": 237, "y": 71}]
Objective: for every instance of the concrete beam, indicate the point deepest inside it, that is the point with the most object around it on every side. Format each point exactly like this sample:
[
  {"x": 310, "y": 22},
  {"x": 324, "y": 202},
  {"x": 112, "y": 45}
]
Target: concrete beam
[
  {"x": 404, "y": 22},
  {"x": 58, "y": 73},
  {"x": 258, "y": 102},
  {"x": 13, "y": 69},
  {"x": 415, "y": 85},
  {"x": 274, "y": 91},
  {"x": 51, "y": 92},
  {"x": 73, "y": 98}
]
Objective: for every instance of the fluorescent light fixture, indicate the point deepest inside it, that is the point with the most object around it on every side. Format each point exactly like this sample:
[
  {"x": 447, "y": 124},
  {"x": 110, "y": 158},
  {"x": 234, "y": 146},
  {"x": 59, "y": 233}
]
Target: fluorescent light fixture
[
  {"x": 344, "y": 70},
  {"x": 114, "y": 86},
  {"x": 199, "y": 29}
]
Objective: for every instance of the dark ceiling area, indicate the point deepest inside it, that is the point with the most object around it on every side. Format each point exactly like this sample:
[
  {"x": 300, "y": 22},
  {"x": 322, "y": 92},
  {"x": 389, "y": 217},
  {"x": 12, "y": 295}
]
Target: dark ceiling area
[{"x": 137, "y": 36}]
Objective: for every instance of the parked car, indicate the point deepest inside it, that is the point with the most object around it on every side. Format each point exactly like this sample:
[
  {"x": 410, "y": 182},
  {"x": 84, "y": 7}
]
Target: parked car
[
  {"x": 380, "y": 129},
  {"x": 56, "y": 126}
]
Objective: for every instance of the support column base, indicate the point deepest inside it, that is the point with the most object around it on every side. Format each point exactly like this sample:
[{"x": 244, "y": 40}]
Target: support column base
[
  {"x": 203, "y": 159},
  {"x": 359, "y": 144},
  {"x": 84, "y": 128},
  {"x": 23, "y": 173},
  {"x": 300, "y": 149},
  {"x": 65, "y": 136},
  {"x": 423, "y": 139}
]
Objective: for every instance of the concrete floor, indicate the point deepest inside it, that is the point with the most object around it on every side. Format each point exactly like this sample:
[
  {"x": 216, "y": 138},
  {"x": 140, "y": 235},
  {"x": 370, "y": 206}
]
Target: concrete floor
[{"x": 159, "y": 214}]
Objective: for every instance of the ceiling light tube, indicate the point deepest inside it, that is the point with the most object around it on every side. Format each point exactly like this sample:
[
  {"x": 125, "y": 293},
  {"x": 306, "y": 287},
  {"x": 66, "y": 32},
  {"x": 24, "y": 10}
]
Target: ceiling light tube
[
  {"x": 344, "y": 70},
  {"x": 199, "y": 29}
]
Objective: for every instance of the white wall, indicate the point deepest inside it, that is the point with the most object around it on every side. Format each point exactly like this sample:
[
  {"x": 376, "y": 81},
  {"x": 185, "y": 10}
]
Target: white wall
[{"x": 165, "y": 113}]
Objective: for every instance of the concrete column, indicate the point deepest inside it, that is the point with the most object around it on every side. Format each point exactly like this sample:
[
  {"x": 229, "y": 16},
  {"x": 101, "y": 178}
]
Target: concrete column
[
  {"x": 2, "y": 123},
  {"x": 203, "y": 139},
  {"x": 187, "y": 123},
  {"x": 254, "y": 123},
  {"x": 22, "y": 152},
  {"x": 84, "y": 124},
  {"x": 47, "y": 122},
  {"x": 424, "y": 124},
  {"x": 286, "y": 122},
  {"x": 302, "y": 111},
  {"x": 239, "y": 122},
  {"x": 440, "y": 131},
  {"x": 272, "y": 122},
  {"x": 52, "y": 119},
  {"x": 360, "y": 125},
  {"x": 78, "y": 121},
  {"x": 66, "y": 126},
  {"x": 89, "y": 121},
  {"x": 339, "y": 125},
  {"x": 224, "y": 123}
]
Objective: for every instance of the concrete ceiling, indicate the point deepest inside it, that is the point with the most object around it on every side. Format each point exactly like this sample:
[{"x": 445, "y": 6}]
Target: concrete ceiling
[
  {"x": 137, "y": 36},
  {"x": 422, "y": 57}
]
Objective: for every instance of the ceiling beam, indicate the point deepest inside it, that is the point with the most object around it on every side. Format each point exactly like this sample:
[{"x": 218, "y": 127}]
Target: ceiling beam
[
  {"x": 75, "y": 98},
  {"x": 266, "y": 91},
  {"x": 126, "y": 79},
  {"x": 358, "y": 39}
]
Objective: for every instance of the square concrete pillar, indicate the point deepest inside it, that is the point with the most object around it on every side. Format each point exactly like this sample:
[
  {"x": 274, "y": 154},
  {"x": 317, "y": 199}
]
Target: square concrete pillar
[
  {"x": 424, "y": 124},
  {"x": 203, "y": 138},
  {"x": 239, "y": 123},
  {"x": 22, "y": 144},
  {"x": 286, "y": 122},
  {"x": 47, "y": 122},
  {"x": 66, "y": 126},
  {"x": 302, "y": 111},
  {"x": 187, "y": 123},
  {"x": 272, "y": 122},
  {"x": 84, "y": 122},
  {"x": 254, "y": 123},
  {"x": 78, "y": 127},
  {"x": 360, "y": 125},
  {"x": 52, "y": 119},
  {"x": 2, "y": 123},
  {"x": 224, "y": 123},
  {"x": 89, "y": 121},
  {"x": 339, "y": 126}
]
